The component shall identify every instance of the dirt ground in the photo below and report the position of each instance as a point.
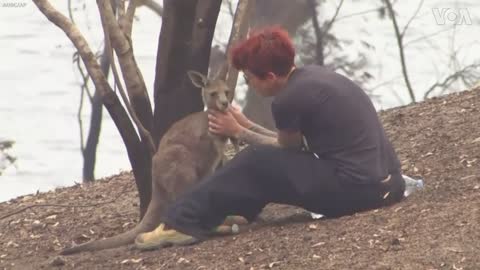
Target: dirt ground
(436, 228)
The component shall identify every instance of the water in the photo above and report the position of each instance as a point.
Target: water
(40, 96)
(40, 93)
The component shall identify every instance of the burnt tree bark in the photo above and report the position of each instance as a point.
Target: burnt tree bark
(90, 151)
(184, 43)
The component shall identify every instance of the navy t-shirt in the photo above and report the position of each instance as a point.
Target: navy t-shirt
(339, 123)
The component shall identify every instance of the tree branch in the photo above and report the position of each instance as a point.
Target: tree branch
(145, 133)
(329, 25)
(80, 122)
(133, 78)
(120, 8)
(126, 22)
(319, 59)
(110, 100)
(152, 5)
(357, 14)
(239, 31)
(411, 19)
(400, 48)
(460, 74)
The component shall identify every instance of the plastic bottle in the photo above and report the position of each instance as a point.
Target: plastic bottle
(412, 185)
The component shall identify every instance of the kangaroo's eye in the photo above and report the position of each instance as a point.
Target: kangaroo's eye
(227, 93)
(214, 94)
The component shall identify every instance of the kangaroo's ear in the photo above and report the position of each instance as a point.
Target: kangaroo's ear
(197, 78)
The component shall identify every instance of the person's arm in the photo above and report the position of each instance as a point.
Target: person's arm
(231, 125)
(284, 139)
(262, 130)
(248, 124)
(290, 140)
(249, 136)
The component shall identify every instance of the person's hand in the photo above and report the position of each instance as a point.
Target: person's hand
(239, 116)
(223, 123)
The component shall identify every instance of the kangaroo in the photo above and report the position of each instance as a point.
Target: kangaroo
(186, 154)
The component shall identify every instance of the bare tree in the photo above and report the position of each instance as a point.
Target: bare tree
(88, 148)
(185, 40)
(469, 75)
(400, 35)
(320, 32)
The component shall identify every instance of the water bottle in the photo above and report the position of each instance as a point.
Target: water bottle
(412, 185)
(315, 215)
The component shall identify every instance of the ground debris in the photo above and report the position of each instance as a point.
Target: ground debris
(440, 223)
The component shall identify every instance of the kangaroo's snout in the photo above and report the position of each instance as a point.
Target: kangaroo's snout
(224, 105)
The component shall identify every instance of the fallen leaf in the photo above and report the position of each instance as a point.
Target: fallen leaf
(33, 236)
(476, 140)
(318, 244)
(37, 224)
(11, 243)
(273, 264)
(183, 260)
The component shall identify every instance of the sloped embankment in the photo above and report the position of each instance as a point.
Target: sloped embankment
(438, 228)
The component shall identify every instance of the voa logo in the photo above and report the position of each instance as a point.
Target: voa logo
(459, 16)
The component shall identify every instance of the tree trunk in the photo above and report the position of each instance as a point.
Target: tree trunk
(137, 152)
(258, 109)
(319, 48)
(185, 41)
(90, 151)
(290, 15)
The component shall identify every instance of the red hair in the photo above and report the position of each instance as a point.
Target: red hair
(267, 50)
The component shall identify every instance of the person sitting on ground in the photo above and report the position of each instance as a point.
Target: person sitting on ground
(330, 155)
